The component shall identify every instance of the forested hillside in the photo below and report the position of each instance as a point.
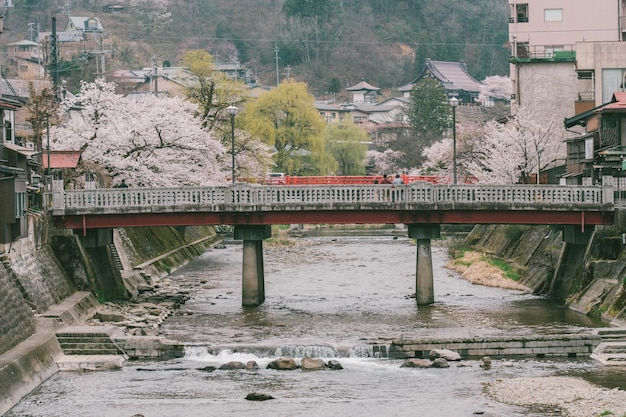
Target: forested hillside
(321, 42)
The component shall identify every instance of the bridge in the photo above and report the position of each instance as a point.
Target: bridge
(253, 208)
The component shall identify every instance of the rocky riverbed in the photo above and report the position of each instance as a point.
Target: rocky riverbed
(567, 396)
(563, 396)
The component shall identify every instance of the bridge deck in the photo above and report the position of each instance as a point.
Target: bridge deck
(279, 204)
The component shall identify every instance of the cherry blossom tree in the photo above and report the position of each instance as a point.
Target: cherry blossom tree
(383, 162)
(149, 142)
(509, 153)
(440, 155)
(496, 88)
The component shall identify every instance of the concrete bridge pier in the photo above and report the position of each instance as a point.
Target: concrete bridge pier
(253, 275)
(424, 288)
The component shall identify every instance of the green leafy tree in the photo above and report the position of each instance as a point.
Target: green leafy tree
(214, 91)
(429, 115)
(429, 111)
(287, 120)
(334, 86)
(347, 144)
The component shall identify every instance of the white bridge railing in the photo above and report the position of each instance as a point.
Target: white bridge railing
(273, 197)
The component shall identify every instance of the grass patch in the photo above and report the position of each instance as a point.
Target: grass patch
(509, 272)
(457, 248)
(280, 236)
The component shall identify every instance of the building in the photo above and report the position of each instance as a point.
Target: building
(566, 60)
(453, 76)
(174, 81)
(546, 37)
(14, 180)
(363, 92)
(25, 57)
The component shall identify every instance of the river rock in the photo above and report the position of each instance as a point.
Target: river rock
(207, 369)
(334, 365)
(232, 365)
(448, 355)
(440, 363)
(416, 363)
(283, 364)
(485, 362)
(252, 366)
(258, 396)
(110, 316)
(310, 364)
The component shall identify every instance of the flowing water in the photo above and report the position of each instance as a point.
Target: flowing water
(325, 298)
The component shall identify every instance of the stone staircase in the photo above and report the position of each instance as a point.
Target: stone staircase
(89, 348)
(116, 257)
(612, 349)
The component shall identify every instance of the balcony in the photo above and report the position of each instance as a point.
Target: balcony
(545, 53)
(518, 19)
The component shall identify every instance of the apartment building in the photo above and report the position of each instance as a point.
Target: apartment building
(568, 57)
(550, 39)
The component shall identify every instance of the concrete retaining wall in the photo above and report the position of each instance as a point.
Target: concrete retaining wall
(520, 346)
(26, 367)
(141, 347)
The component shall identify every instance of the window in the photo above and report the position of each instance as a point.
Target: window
(612, 81)
(522, 13)
(550, 50)
(553, 15)
(20, 205)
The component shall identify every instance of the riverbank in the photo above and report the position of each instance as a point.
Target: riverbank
(572, 397)
(474, 267)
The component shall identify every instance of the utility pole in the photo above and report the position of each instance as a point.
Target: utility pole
(154, 75)
(287, 71)
(54, 57)
(276, 49)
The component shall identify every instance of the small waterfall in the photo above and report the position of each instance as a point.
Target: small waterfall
(294, 351)
(203, 353)
(368, 351)
(196, 352)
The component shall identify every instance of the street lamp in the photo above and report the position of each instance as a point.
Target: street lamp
(453, 103)
(539, 152)
(232, 111)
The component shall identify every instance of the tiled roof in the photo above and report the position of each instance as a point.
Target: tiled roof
(7, 106)
(363, 86)
(618, 103)
(61, 159)
(454, 73)
(20, 149)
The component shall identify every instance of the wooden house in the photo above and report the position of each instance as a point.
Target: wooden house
(600, 151)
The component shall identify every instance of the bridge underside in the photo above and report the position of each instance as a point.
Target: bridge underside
(97, 221)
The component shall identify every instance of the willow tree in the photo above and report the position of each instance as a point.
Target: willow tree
(286, 119)
(347, 144)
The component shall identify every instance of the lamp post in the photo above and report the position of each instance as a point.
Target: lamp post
(539, 152)
(232, 111)
(453, 103)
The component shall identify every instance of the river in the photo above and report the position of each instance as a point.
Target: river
(325, 297)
